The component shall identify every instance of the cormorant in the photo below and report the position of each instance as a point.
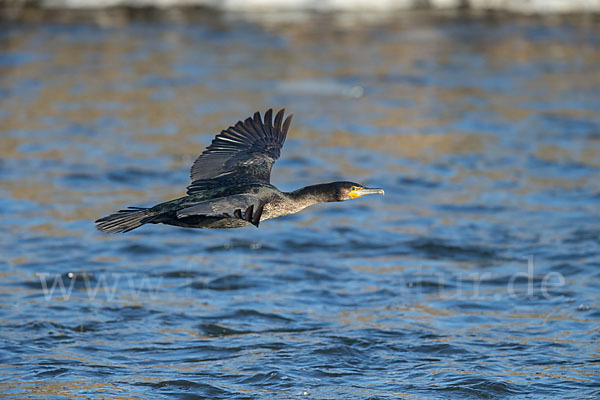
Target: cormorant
(231, 184)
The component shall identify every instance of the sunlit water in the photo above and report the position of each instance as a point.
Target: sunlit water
(477, 275)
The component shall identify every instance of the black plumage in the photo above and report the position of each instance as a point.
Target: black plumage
(231, 184)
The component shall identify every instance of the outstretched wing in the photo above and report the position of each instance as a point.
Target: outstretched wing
(248, 149)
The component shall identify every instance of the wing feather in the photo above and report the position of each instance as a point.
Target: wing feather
(269, 122)
(242, 206)
(249, 148)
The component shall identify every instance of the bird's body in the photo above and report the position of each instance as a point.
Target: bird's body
(276, 204)
(231, 184)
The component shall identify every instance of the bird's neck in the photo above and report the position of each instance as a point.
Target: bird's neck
(293, 202)
(314, 194)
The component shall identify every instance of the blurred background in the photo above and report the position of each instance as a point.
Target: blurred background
(477, 275)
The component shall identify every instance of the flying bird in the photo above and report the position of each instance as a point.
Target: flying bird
(231, 184)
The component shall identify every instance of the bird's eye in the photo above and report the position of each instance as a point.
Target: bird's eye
(353, 188)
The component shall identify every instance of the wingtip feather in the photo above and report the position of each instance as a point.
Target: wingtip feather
(286, 126)
(279, 118)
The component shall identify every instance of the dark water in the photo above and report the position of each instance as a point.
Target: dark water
(477, 275)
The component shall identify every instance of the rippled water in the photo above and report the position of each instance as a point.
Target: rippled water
(477, 275)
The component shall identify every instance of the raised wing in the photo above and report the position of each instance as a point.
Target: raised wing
(248, 149)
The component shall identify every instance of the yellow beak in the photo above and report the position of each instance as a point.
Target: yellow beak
(365, 191)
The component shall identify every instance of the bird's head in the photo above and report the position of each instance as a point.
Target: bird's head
(351, 190)
(334, 191)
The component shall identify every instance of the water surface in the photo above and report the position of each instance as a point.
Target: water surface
(475, 276)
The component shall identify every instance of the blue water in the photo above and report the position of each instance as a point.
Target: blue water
(477, 275)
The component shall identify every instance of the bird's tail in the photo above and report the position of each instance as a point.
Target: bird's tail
(124, 220)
